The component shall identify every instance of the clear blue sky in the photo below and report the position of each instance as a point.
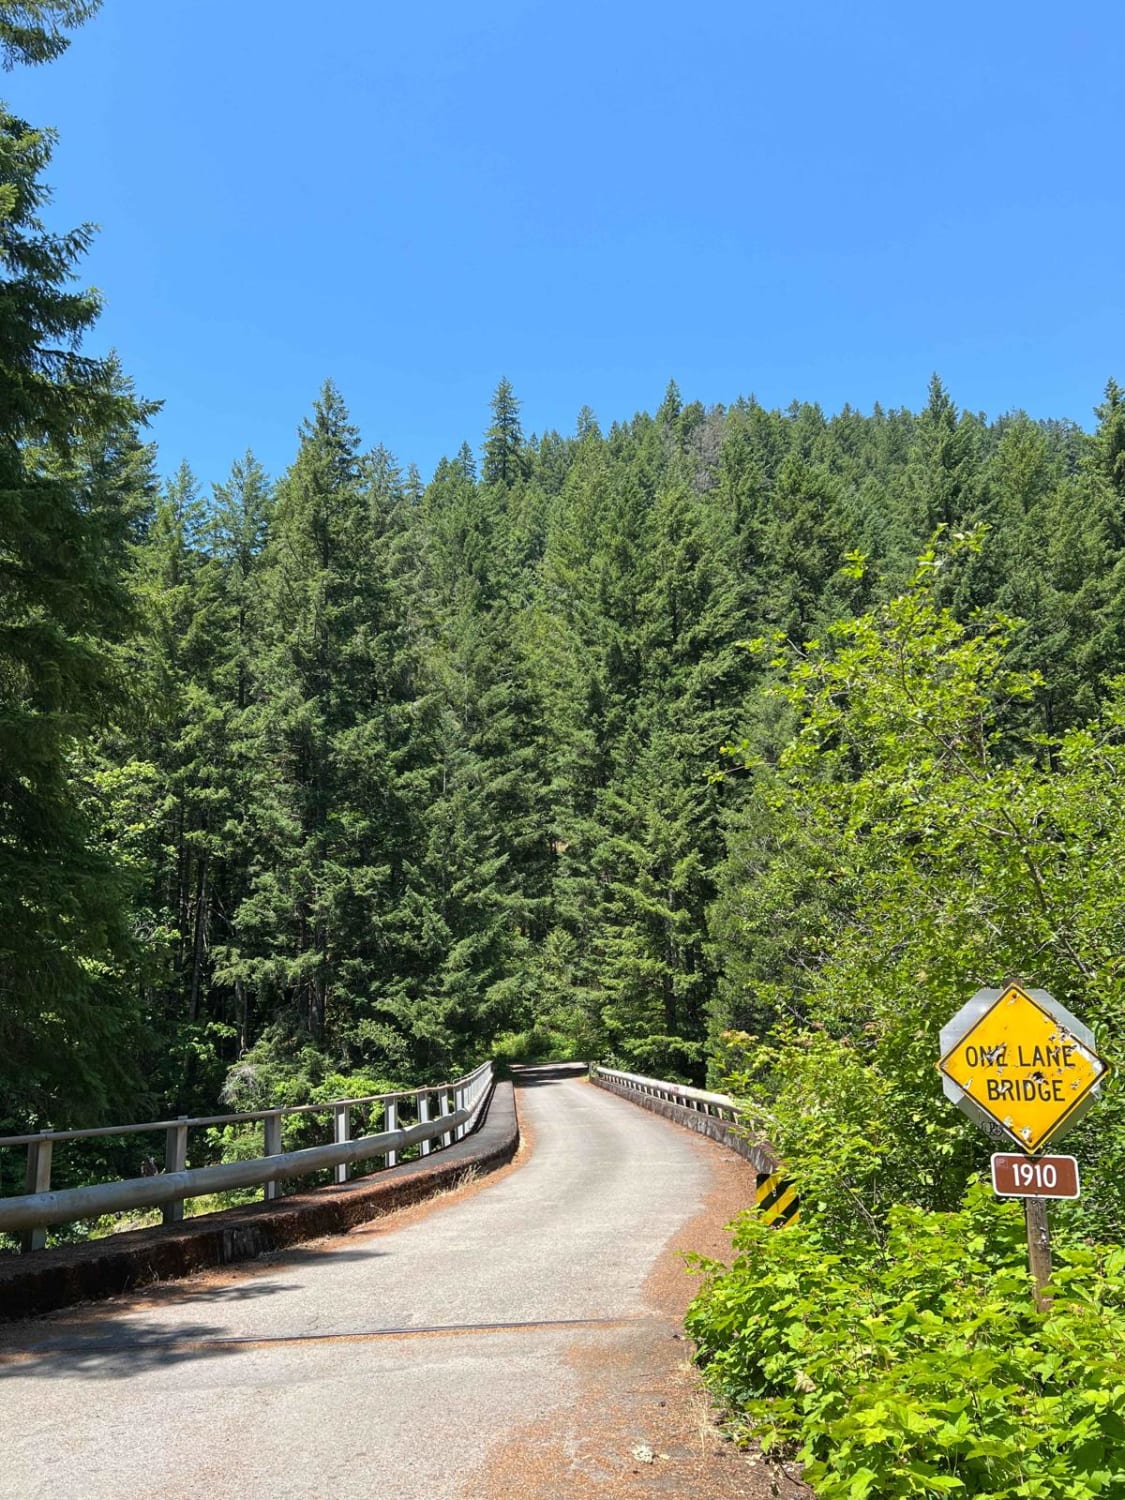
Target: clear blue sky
(810, 200)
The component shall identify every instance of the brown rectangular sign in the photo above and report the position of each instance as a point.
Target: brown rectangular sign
(1016, 1176)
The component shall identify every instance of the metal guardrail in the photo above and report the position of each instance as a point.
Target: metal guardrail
(458, 1107)
(714, 1115)
(721, 1106)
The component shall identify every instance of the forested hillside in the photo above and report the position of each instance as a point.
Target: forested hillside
(341, 772)
(369, 772)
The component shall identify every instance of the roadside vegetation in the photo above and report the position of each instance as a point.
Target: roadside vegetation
(921, 1369)
(933, 837)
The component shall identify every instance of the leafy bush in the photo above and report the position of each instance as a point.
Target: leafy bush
(829, 1115)
(916, 839)
(924, 1371)
(541, 1043)
(275, 1074)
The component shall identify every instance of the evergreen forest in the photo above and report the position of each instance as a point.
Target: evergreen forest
(721, 743)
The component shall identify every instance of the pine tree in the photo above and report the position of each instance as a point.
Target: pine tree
(504, 460)
(663, 814)
(668, 413)
(237, 527)
(32, 31)
(63, 603)
(1086, 551)
(1109, 440)
(335, 940)
(195, 575)
(940, 476)
(495, 775)
(586, 424)
(803, 540)
(310, 610)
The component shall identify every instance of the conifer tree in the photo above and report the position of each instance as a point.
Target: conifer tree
(34, 31)
(315, 587)
(1085, 546)
(663, 815)
(334, 938)
(496, 755)
(804, 539)
(940, 476)
(63, 602)
(1109, 441)
(504, 460)
(195, 576)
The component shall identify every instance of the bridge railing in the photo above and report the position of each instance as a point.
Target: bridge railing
(720, 1106)
(442, 1113)
(714, 1115)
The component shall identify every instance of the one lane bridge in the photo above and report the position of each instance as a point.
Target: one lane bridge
(406, 1359)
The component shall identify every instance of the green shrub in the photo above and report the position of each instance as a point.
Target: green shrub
(539, 1044)
(274, 1075)
(917, 838)
(923, 1371)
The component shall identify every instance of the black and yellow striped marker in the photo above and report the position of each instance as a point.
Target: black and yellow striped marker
(777, 1200)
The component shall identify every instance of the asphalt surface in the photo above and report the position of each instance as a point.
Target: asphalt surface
(387, 1363)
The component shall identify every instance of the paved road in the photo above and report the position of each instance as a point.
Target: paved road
(302, 1378)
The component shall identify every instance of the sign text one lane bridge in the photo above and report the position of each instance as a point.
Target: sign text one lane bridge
(1020, 1065)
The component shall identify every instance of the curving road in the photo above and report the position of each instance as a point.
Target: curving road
(395, 1361)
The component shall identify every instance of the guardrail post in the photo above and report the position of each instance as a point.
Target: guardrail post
(175, 1160)
(437, 1108)
(272, 1133)
(38, 1180)
(342, 1134)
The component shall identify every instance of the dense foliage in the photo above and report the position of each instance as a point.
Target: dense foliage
(67, 513)
(926, 1372)
(930, 822)
(931, 837)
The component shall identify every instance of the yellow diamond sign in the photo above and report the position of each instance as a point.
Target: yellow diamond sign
(1024, 1062)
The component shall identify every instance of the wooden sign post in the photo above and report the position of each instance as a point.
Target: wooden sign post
(1025, 1070)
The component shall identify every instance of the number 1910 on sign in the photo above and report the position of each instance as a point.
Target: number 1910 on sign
(1016, 1176)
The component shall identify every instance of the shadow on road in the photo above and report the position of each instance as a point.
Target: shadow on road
(128, 1351)
(546, 1073)
(239, 1291)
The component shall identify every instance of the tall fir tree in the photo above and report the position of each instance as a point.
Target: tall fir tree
(504, 459)
(63, 603)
